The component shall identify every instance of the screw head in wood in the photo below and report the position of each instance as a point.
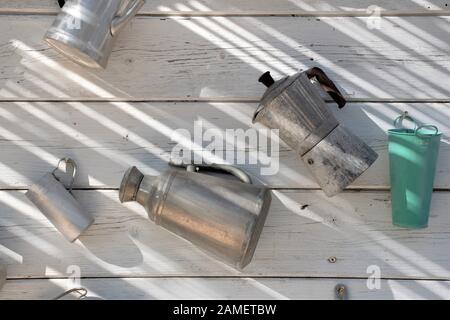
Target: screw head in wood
(332, 259)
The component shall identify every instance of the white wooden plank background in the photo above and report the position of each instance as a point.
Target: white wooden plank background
(213, 288)
(354, 227)
(214, 63)
(107, 138)
(408, 58)
(252, 6)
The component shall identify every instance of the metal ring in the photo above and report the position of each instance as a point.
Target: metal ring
(74, 172)
(399, 121)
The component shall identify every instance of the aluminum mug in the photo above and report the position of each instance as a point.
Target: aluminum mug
(57, 203)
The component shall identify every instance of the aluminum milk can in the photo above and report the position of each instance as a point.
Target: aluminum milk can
(59, 206)
(85, 30)
(223, 217)
(294, 105)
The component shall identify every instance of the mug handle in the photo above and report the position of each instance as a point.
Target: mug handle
(224, 168)
(67, 161)
(328, 85)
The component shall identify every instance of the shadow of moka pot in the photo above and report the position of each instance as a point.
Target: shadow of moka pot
(85, 30)
(294, 106)
(221, 216)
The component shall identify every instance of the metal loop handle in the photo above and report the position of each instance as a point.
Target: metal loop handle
(426, 126)
(398, 123)
(81, 291)
(74, 171)
(224, 168)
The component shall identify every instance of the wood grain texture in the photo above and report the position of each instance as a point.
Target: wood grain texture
(105, 139)
(303, 231)
(222, 58)
(251, 6)
(225, 289)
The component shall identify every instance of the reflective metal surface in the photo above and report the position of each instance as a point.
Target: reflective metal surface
(222, 216)
(59, 206)
(294, 105)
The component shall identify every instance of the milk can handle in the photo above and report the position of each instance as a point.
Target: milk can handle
(124, 17)
(74, 171)
(327, 85)
(224, 168)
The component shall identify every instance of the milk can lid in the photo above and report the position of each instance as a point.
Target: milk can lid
(130, 185)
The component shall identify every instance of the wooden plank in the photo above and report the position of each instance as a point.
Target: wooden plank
(107, 138)
(196, 58)
(306, 235)
(225, 289)
(252, 6)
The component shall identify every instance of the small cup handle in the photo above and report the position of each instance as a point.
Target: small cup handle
(398, 123)
(67, 161)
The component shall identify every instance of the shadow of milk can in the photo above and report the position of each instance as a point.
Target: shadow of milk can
(294, 105)
(413, 156)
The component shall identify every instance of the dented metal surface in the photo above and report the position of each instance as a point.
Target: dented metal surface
(294, 105)
(221, 216)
